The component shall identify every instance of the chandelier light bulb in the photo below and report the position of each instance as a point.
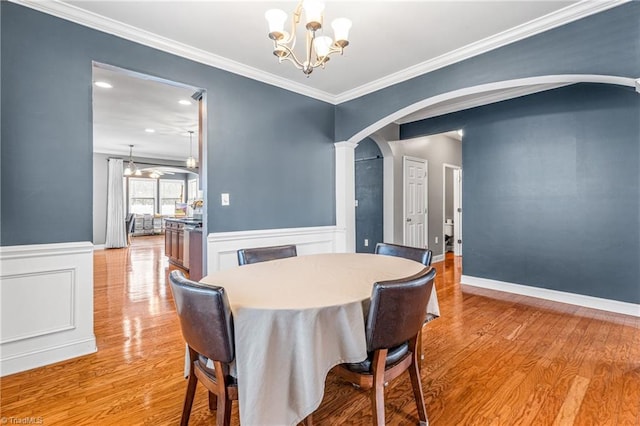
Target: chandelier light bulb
(127, 171)
(276, 19)
(138, 172)
(313, 12)
(341, 27)
(322, 45)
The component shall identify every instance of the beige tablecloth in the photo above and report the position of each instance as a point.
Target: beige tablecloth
(294, 320)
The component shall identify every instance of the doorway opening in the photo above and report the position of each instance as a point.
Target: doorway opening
(452, 209)
(155, 129)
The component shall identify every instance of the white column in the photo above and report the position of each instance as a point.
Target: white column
(346, 193)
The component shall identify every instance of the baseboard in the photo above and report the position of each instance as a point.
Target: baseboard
(438, 258)
(555, 295)
(98, 247)
(222, 246)
(46, 304)
(42, 357)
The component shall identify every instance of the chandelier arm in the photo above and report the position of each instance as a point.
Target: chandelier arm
(291, 56)
(290, 59)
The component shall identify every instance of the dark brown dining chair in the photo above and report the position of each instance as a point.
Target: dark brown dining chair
(394, 321)
(262, 254)
(207, 327)
(423, 256)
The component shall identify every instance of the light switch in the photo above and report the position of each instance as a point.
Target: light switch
(224, 198)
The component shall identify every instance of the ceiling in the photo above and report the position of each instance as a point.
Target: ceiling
(122, 114)
(390, 42)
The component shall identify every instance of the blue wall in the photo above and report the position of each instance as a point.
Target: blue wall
(369, 193)
(606, 43)
(551, 189)
(276, 178)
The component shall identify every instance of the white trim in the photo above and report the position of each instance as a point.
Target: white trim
(555, 19)
(41, 250)
(638, 85)
(561, 79)
(445, 166)
(554, 295)
(98, 247)
(41, 357)
(474, 101)
(53, 286)
(438, 258)
(346, 192)
(222, 247)
(552, 20)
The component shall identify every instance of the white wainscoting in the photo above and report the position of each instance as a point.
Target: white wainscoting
(46, 304)
(222, 246)
(555, 295)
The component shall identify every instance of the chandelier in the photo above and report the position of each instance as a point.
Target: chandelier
(317, 47)
(131, 167)
(191, 162)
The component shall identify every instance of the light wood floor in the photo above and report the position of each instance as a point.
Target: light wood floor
(492, 359)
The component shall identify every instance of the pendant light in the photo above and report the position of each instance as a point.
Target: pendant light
(131, 167)
(191, 162)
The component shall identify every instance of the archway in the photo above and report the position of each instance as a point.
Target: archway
(345, 168)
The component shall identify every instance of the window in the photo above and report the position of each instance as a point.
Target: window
(171, 192)
(142, 195)
(192, 193)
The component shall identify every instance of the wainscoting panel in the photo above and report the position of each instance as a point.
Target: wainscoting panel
(222, 246)
(46, 302)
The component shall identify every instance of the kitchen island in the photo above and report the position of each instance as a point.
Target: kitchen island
(178, 247)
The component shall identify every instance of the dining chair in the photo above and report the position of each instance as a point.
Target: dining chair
(393, 324)
(263, 254)
(423, 256)
(207, 327)
(129, 224)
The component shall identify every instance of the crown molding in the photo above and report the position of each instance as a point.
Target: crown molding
(92, 20)
(544, 23)
(110, 26)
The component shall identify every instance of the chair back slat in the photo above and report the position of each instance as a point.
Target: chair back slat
(205, 317)
(263, 254)
(423, 256)
(397, 309)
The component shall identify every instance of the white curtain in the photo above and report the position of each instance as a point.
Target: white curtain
(116, 233)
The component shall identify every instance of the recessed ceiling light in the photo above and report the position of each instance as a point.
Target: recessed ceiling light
(150, 130)
(184, 102)
(103, 84)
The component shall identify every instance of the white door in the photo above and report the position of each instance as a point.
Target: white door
(415, 201)
(457, 212)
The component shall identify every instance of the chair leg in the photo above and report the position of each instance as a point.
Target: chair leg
(419, 349)
(188, 399)
(377, 391)
(416, 384)
(213, 401)
(223, 416)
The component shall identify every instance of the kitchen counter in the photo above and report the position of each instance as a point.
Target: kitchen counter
(190, 221)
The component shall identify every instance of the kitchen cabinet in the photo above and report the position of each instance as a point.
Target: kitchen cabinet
(174, 242)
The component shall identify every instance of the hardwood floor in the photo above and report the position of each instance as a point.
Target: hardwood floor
(491, 359)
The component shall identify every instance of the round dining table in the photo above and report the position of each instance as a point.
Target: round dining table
(295, 319)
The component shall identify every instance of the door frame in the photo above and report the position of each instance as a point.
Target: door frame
(457, 212)
(446, 166)
(405, 158)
